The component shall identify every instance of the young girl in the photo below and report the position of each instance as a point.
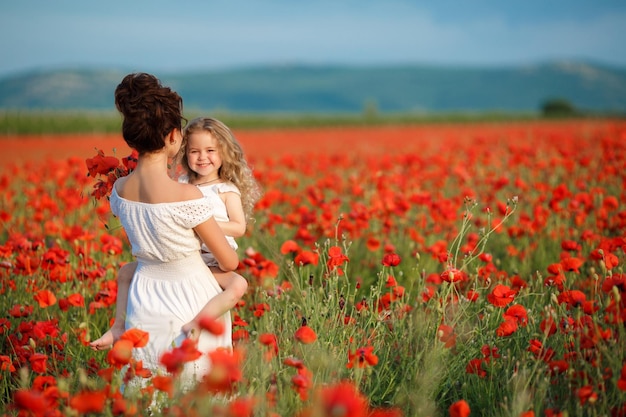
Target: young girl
(214, 162)
(165, 221)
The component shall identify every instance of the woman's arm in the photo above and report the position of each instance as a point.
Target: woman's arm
(215, 240)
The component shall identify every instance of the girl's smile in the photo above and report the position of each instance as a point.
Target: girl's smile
(204, 156)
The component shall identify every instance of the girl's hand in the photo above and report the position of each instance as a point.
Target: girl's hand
(191, 330)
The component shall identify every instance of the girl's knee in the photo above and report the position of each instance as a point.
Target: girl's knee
(239, 286)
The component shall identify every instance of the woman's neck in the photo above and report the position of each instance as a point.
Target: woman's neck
(154, 163)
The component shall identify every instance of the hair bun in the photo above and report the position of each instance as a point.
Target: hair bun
(133, 90)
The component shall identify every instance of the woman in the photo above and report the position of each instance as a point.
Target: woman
(164, 221)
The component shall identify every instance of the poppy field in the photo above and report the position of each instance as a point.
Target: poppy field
(430, 270)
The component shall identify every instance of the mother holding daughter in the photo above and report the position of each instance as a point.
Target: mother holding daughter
(166, 221)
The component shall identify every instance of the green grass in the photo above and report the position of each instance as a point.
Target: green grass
(17, 122)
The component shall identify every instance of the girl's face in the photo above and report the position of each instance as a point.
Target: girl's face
(203, 155)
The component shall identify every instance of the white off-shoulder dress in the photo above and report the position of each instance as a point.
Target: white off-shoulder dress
(171, 283)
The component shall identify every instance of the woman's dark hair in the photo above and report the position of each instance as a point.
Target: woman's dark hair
(150, 111)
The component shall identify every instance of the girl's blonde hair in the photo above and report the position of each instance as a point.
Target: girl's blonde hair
(234, 167)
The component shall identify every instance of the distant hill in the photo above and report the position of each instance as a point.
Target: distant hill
(300, 88)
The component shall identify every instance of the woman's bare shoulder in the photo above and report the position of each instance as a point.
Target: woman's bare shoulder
(188, 192)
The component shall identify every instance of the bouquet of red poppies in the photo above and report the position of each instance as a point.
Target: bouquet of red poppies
(107, 169)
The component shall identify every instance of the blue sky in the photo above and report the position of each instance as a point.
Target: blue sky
(163, 35)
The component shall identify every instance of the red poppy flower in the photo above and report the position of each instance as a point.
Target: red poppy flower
(32, 402)
(572, 264)
(89, 402)
(212, 325)
(336, 258)
(6, 364)
(610, 203)
(123, 407)
(111, 245)
(164, 383)
(570, 245)
(610, 260)
(555, 269)
(43, 382)
(342, 399)
(489, 352)
(507, 327)
(518, 313)
(517, 283)
(428, 293)
(45, 298)
(475, 366)
(472, 295)
(446, 335)
(293, 362)
(459, 409)
(121, 353)
(106, 374)
(362, 357)
(501, 295)
(391, 259)
(137, 337)
(307, 257)
(391, 282)
(260, 309)
(101, 164)
(240, 335)
(271, 341)
(372, 244)
(176, 358)
(586, 395)
(555, 281)
(536, 347)
(289, 246)
(558, 366)
(130, 161)
(573, 298)
(73, 300)
(225, 372)
(242, 407)
(621, 382)
(615, 280)
(136, 369)
(39, 362)
(305, 334)
(5, 325)
(301, 382)
(485, 257)
(453, 275)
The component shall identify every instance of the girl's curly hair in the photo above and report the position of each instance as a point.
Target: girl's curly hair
(234, 169)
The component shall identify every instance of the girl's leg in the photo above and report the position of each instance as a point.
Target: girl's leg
(124, 277)
(234, 286)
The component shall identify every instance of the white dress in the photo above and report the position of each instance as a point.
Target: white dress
(212, 192)
(171, 283)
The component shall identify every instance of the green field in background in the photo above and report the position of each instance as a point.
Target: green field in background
(43, 122)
